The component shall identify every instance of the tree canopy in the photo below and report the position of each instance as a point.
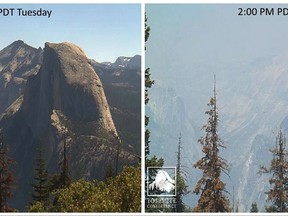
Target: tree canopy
(210, 185)
(278, 194)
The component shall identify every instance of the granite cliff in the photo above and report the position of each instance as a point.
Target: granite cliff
(63, 100)
(122, 79)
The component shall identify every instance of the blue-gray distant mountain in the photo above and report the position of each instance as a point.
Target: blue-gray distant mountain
(252, 103)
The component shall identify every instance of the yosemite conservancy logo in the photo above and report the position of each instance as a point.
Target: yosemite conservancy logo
(161, 189)
(161, 181)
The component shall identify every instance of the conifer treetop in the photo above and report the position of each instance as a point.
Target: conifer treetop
(210, 185)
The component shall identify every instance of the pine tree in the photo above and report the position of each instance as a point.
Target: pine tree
(7, 178)
(64, 178)
(148, 84)
(181, 187)
(40, 185)
(254, 207)
(109, 172)
(154, 161)
(278, 194)
(212, 197)
(117, 155)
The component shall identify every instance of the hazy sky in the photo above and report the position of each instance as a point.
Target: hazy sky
(103, 31)
(212, 33)
(188, 44)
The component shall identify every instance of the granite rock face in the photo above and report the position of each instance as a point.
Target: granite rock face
(63, 100)
(124, 81)
(66, 82)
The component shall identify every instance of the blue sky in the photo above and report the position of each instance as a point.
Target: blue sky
(103, 31)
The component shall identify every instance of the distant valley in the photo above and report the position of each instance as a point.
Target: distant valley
(252, 103)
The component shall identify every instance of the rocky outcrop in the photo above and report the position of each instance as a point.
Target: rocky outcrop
(18, 61)
(66, 82)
